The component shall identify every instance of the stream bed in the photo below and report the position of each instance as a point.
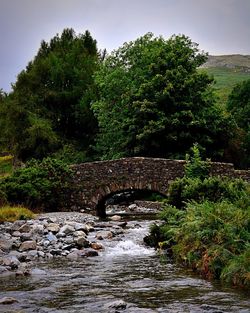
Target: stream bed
(125, 277)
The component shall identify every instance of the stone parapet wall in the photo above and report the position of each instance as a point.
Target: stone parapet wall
(94, 182)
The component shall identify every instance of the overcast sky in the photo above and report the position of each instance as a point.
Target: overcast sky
(218, 26)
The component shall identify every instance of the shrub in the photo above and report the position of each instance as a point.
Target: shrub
(212, 238)
(195, 167)
(39, 185)
(213, 189)
(3, 198)
(11, 214)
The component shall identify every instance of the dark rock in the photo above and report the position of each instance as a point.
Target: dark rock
(82, 242)
(55, 251)
(8, 300)
(25, 228)
(89, 253)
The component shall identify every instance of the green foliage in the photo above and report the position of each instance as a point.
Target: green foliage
(195, 167)
(214, 189)
(50, 102)
(69, 154)
(42, 185)
(211, 234)
(154, 102)
(212, 238)
(239, 106)
(11, 214)
(3, 198)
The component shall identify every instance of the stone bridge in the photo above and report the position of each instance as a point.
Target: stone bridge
(94, 182)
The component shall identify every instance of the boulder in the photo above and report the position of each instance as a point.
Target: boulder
(38, 229)
(66, 229)
(53, 227)
(96, 246)
(79, 233)
(8, 300)
(115, 218)
(82, 242)
(51, 238)
(28, 245)
(10, 261)
(118, 305)
(104, 234)
(26, 236)
(26, 228)
(5, 244)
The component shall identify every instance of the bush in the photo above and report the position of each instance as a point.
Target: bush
(195, 167)
(213, 189)
(3, 198)
(11, 214)
(42, 185)
(211, 234)
(212, 238)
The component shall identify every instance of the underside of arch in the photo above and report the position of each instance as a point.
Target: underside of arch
(100, 205)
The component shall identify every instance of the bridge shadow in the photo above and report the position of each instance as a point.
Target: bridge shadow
(125, 198)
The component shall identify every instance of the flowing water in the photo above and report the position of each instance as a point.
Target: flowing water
(126, 270)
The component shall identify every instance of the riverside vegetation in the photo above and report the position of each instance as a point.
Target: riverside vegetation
(206, 225)
(73, 103)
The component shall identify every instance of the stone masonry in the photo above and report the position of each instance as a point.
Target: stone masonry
(94, 182)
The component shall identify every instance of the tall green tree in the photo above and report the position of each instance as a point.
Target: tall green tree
(153, 102)
(239, 106)
(50, 102)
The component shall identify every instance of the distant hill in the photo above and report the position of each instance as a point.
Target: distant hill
(228, 71)
(233, 61)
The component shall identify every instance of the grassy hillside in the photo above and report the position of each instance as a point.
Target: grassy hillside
(228, 71)
(225, 80)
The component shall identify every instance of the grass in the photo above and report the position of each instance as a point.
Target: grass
(6, 166)
(11, 214)
(225, 80)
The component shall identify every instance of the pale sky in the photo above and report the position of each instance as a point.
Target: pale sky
(218, 26)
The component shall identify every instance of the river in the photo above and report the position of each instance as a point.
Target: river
(125, 277)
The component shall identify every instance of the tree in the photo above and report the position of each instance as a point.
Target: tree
(239, 106)
(50, 102)
(153, 102)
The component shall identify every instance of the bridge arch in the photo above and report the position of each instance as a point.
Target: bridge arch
(94, 182)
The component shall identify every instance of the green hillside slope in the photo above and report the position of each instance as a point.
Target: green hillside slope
(228, 71)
